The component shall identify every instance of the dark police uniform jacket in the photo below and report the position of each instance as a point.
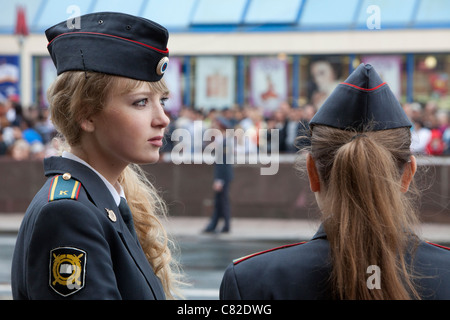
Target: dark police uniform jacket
(74, 244)
(301, 271)
(223, 170)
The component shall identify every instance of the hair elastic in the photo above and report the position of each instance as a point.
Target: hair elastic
(358, 135)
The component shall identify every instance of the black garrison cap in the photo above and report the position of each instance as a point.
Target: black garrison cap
(362, 99)
(112, 43)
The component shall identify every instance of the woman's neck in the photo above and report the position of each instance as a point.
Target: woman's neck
(108, 169)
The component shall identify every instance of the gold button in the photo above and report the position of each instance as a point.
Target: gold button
(67, 176)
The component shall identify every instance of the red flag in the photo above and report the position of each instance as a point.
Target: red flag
(21, 22)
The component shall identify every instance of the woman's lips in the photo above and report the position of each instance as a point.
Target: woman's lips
(156, 141)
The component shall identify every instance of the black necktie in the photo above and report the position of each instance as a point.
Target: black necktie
(127, 216)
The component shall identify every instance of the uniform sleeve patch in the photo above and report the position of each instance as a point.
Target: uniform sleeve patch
(67, 270)
(236, 261)
(63, 188)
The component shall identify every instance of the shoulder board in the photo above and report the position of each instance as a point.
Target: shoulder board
(63, 187)
(438, 245)
(236, 261)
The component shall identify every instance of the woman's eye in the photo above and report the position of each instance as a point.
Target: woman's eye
(141, 103)
(163, 101)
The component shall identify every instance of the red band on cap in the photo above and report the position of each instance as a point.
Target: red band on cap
(110, 35)
(364, 89)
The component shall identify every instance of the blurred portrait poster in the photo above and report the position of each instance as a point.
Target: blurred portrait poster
(9, 77)
(214, 82)
(324, 76)
(172, 76)
(269, 86)
(389, 69)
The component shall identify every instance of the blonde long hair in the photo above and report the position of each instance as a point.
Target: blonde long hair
(367, 218)
(74, 96)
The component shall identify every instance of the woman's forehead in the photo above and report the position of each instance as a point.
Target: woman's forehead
(127, 85)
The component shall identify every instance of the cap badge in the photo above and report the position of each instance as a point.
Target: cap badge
(162, 66)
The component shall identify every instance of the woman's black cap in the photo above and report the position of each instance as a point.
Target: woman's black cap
(361, 100)
(112, 43)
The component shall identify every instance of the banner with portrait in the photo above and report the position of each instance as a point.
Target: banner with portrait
(9, 77)
(325, 73)
(269, 83)
(47, 74)
(172, 77)
(215, 82)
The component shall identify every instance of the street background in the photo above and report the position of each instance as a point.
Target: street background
(262, 64)
(204, 257)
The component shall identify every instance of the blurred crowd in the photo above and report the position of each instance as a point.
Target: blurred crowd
(255, 127)
(431, 130)
(27, 133)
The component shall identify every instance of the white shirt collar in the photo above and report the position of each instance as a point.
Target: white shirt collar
(116, 195)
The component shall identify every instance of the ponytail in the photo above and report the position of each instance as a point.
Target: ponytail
(367, 218)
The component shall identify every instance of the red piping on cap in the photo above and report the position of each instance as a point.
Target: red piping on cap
(364, 89)
(110, 35)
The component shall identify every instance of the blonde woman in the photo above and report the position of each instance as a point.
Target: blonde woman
(360, 168)
(78, 239)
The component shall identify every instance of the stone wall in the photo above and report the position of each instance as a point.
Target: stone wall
(187, 188)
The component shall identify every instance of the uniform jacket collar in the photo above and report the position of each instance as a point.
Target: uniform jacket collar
(320, 234)
(91, 182)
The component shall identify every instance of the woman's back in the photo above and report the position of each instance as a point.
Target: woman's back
(360, 168)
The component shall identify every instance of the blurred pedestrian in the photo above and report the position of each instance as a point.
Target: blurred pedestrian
(223, 175)
(293, 127)
(20, 150)
(30, 134)
(436, 145)
(421, 137)
(93, 231)
(280, 124)
(360, 168)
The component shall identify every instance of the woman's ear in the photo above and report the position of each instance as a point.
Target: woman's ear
(313, 175)
(87, 125)
(408, 173)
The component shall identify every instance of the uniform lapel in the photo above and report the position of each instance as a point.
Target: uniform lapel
(141, 261)
(103, 200)
(135, 250)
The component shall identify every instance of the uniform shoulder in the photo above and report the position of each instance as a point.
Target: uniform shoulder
(247, 257)
(63, 187)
